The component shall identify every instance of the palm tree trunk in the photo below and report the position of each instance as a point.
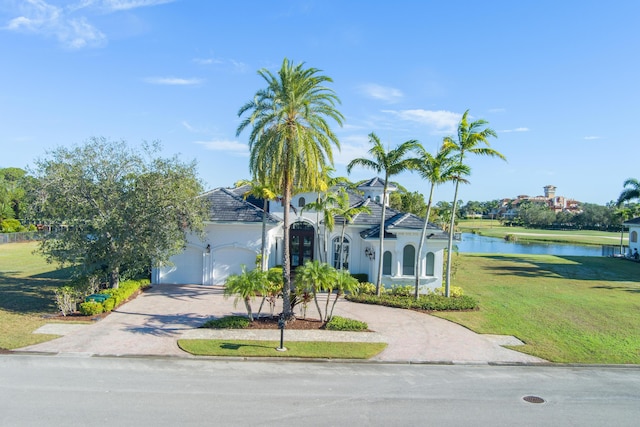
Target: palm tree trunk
(263, 261)
(247, 304)
(422, 239)
(447, 285)
(341, 259)
(286, 262)
(381, 245)
(315, 299)
(333, 306)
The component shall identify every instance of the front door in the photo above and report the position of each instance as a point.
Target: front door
(300, 243)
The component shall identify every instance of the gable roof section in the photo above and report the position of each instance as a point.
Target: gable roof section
(634, 221)
(227, 206)
(376, 183)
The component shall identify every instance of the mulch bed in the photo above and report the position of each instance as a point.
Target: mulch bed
(76, 316)
(4, 351)
(272, 323)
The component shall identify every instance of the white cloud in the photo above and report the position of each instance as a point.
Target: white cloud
(236, 65)
(173, 81)
(589, 138)
(383, 93)
(39, 17)
(521, 129)
(440, 121)
(230, 147)
(65, 24)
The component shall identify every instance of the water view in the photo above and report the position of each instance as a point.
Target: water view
(473, 243)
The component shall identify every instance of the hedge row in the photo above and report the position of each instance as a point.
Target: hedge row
(116, 297)
(431, 302)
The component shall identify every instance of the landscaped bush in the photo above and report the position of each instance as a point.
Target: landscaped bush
(402, 291)
(227, 322)
(125, 290)
(454, 291)
(109, 304)
(91, 308)
(366, 288)
(431, 302)
(338, 323)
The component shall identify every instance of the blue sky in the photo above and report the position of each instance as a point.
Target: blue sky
(556, 80)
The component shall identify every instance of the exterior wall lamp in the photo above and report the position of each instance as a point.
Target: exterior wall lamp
(370, 253)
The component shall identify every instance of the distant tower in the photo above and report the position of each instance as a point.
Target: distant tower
(549, 192)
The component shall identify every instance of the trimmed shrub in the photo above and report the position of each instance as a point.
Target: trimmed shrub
(402, 291)
(91, 308)
(338, 323)
(227, 322)
(431, 302)
(367, 288)
(454, 291)
(109, 304)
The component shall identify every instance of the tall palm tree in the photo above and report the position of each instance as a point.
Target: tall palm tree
(437, 169)
(290, 140)
(347, 213)
(265, 193)
(633, 192)
(472, 140)
(391, 162)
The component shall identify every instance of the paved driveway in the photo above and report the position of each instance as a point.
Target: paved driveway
(152, 323)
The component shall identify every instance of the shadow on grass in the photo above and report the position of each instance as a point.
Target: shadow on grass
(567, 267)
(620, 288)
(28, 295)
(236, 346)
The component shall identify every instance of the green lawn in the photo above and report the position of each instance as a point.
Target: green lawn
(304, 349)
(566, 309)
(26, 292)
(492, 228)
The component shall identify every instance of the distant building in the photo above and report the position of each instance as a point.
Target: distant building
(509, 207)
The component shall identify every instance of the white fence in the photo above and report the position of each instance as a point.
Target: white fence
(20, 237)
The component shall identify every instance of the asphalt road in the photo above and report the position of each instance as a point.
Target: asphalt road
(74, 390)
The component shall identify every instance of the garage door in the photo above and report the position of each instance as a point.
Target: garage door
(187, 268)
(227, 261)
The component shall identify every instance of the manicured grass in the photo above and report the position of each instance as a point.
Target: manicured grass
(566, 309)
(26, 292)
(304, 349)
(492, 228)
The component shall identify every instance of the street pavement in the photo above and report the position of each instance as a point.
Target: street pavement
(152, 323)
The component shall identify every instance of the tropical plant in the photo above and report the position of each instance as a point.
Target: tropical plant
(390, 162)
(345, 284)
(630, 193)
(272, 289)
(265, 193)
(290, 141)
(317, 276)
(437, 169)
(246, 286)
(472, 139)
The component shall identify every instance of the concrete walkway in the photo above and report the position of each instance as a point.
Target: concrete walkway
(152, 323)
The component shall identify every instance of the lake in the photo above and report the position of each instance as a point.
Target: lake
(473, 243)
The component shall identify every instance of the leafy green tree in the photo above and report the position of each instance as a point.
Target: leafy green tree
(630, 192)
(265, 193)
(291, 141)
(346, 213)
(246, 286)
(472, 139)
(117, 210)
(390, 162)
(438, 169)
(410, 202)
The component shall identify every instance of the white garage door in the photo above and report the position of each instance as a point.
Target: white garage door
(187, 268)
(227, 261)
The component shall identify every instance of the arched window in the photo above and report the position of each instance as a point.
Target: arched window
(386, 263)
(634, 237)
(430, 263)
(345, 253)
(409, 261)
(301, 202)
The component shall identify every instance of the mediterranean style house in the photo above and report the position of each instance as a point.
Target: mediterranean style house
(233, 237)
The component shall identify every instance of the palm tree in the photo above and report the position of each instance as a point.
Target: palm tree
(633, 192)
(345, 283)
(437, 169)
(316, 276)
(290, 141)
(246, 286)
(470, 138)
(265, 193)
(391, 162)
(343, 210)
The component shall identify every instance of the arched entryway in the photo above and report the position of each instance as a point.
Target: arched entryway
(301, 236)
